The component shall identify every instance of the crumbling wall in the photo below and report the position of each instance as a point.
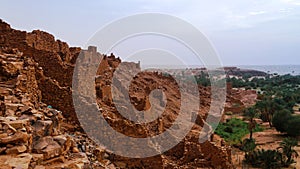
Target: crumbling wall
(30, 132)
(53, 56)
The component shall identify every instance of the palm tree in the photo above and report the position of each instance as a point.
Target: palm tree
(287, 147)
(268, 159)
(263, 108)
(267, 107)
(251, 113)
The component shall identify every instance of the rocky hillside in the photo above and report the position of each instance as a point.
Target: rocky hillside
(38, 124)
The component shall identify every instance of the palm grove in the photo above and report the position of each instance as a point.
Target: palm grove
(279, 98)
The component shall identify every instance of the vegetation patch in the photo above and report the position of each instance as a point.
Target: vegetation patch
(281, 157)
(234, 130)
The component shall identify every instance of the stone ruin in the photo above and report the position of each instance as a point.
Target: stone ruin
(38, 124)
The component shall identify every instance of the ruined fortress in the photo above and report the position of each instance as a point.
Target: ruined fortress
(38, 123)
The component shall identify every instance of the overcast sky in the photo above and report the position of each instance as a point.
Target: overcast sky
(256, 32)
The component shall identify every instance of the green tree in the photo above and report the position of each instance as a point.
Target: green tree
(251, 113)
(263, 107)
(281, 119)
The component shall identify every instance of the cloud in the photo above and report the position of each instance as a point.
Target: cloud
(219, 15)
(257, 13)
(291, 2)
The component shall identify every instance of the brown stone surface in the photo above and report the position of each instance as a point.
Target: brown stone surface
(17, 137)
(12, 161)
(16, 150)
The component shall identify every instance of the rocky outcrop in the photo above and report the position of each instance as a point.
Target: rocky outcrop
(235, 71)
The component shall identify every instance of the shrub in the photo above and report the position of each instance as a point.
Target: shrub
(267, 159)
(270, 159)
(281, 119)
(285, 122)
(248, 145)
(287, 148)
(283, 156)
(293, 126)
